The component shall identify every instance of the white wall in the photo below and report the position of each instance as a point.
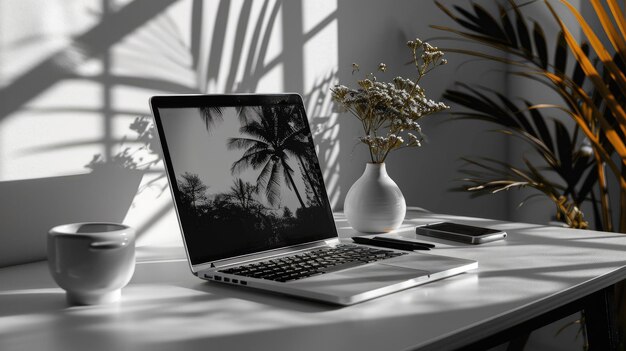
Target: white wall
(377, 31)
(74, 76)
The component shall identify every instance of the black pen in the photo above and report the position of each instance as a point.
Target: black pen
(400, 241)
(387, 244)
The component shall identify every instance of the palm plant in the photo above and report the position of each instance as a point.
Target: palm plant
(592, 91)
(272, 140)
(563, 153)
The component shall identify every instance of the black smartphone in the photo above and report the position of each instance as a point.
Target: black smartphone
(460, 232)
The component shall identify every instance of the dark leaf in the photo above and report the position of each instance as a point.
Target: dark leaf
(521, 119)
(468, 15)
(596, 96)
(479, 38)
(569, 97)
(446, 10)
(587, 187)
(469, 101)
(489, 25)
(479, 102)
(541, 127)
(564, 145)
(483, 165)
(471, 25)
(507, 26)
(538, 178)
(560, 55)
(541, 149)
(581, 164)
(617, 58)
(498, 111)
(596, 212)
(579, 75)
(522, 31)
(540, 45)
(475, 116)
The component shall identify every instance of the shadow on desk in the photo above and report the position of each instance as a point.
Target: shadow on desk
(32, 301)
(266, 298)
(167, 270)
(165, 307)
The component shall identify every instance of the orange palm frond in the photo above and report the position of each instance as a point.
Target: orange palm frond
(589, 68)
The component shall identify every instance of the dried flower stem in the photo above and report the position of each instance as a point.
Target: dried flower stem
(393, 107)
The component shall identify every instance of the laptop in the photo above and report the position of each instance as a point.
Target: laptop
(253, 209)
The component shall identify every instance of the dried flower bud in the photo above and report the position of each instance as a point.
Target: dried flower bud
(355, 67)
(392, 108)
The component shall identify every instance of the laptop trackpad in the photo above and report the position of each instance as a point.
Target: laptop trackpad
(379, 272)
(365, 278)
(427, 262)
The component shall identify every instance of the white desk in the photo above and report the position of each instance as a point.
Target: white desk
(536, 270)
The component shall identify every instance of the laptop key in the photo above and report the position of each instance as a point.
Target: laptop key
(312, 263)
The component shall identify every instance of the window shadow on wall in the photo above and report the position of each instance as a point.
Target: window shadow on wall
(145, 46)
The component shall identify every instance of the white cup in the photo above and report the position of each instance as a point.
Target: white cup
(92, 261)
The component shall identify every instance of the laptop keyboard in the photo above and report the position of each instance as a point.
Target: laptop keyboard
(312, 263)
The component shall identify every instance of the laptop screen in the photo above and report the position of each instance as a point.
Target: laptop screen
(244, 173)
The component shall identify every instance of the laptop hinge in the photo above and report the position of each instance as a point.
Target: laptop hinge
(265, 255)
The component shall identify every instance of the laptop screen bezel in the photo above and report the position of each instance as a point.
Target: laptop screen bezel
(226, 100)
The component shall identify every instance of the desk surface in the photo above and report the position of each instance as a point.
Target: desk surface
(165, 307)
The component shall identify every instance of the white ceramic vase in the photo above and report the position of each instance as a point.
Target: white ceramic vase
(374, 203)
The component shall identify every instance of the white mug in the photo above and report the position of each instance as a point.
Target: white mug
(91, 261)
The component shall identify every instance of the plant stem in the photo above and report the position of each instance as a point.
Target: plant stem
(583, 327)
(385, 155)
